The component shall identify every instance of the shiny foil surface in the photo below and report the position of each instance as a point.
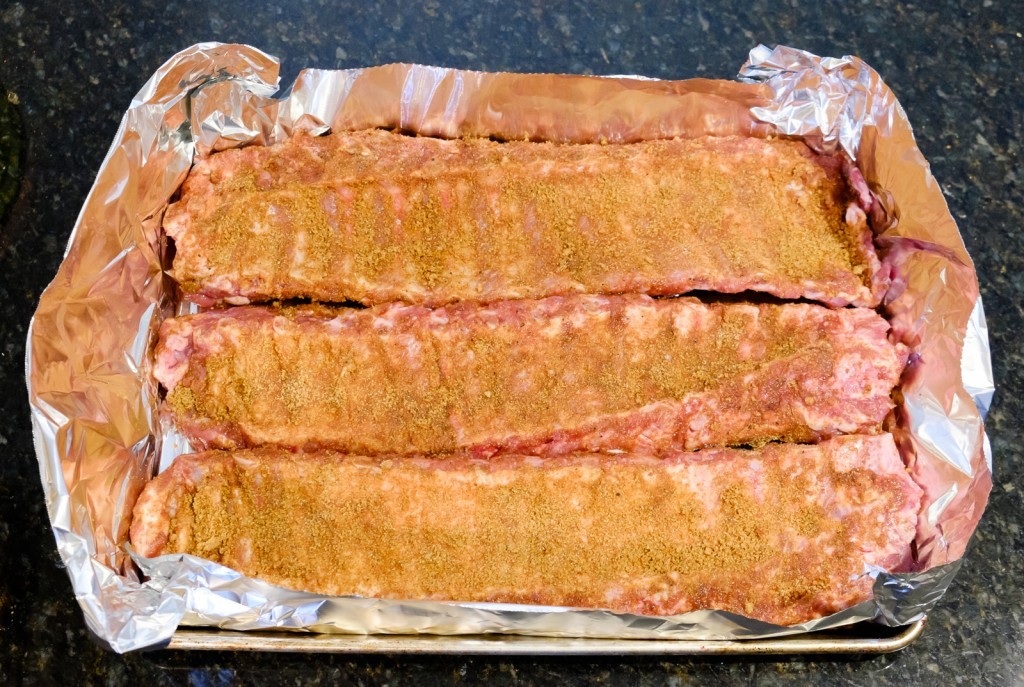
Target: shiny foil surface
(94, 403)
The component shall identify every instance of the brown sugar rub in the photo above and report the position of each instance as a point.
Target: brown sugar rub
(544, 377)
(376, 217)
(782, 534)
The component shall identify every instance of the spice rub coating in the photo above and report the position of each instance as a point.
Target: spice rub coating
(782, 534)
(376, 217)
(545, 377)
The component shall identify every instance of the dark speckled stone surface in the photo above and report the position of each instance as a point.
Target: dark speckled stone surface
(74, 66)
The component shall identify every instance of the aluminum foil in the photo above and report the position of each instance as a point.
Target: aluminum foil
(94, 403)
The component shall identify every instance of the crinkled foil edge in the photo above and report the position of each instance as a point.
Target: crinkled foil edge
(94, 417)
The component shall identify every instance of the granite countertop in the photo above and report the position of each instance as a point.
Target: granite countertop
(956, 68)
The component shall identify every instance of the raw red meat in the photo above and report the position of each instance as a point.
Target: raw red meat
(377, 217)
(546, 377)
(783, 534)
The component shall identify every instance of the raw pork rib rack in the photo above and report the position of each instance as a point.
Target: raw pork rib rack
(594, 373)
(528, 412)
(376, 217)
(781, 534)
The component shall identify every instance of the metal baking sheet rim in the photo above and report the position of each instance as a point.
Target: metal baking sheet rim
(519, 645)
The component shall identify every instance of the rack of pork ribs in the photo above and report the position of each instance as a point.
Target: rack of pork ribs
(644, 377)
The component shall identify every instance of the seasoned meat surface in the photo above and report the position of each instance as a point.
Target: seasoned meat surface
(543, 377)
(783, 534)
(376, 217)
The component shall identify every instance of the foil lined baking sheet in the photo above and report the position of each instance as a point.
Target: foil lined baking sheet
(94, 404)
